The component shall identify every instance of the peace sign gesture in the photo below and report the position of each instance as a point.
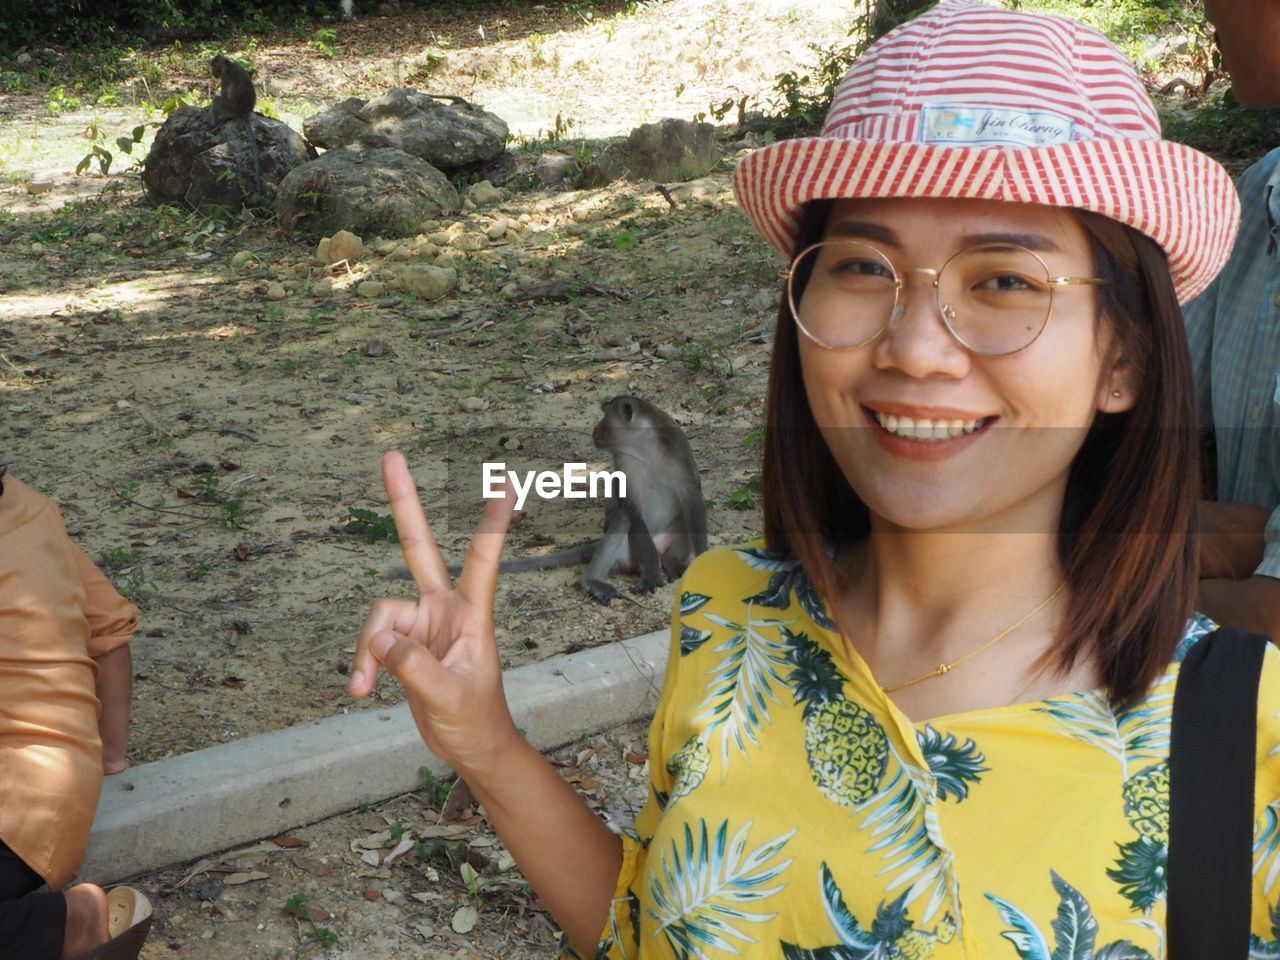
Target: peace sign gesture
(441, 647)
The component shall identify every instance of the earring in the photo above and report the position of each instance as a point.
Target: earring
(1117, 394)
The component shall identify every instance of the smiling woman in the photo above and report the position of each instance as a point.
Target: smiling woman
(930, 716)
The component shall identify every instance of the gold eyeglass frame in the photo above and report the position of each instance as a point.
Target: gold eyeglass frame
(946, 310)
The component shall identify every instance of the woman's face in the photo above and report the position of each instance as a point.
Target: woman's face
(1013, 424)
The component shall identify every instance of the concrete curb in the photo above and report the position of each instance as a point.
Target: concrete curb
(185, 807)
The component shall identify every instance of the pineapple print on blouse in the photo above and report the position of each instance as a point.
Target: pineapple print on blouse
(795, 812)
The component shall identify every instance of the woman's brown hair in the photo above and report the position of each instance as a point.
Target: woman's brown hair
(1126, 539)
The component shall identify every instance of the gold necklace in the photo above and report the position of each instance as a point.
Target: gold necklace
(943, 668)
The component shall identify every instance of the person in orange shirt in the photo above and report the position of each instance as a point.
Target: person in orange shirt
(65, 685)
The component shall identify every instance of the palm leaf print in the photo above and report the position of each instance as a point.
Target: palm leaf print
(842, 919)
(910, 837)
(787, 573)
(691, 639)
(743, 684)
(1136, 735)
(953, 765)
(1074, 927)
(1075, 930)
(703, 894)
(1025, 935)
(1266, 848)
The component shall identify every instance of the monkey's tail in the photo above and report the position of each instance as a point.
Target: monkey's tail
(559, 558)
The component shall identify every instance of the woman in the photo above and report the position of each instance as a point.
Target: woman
(931, 717)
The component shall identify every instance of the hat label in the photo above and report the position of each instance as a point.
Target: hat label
(959, 124)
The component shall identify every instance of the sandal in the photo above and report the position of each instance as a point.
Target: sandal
(128, 923)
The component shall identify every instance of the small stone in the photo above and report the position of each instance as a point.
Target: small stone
(552, 168)
(376, 348)
(345, 245)
(511, 443)
(496, 231)
(471, 242)
(577, 229)
(241, 258)
(474, 404)
(322, 251)
(383, 247)
(322, 287)
(446, 262)
(667, 351)
(441, 238)
(399, 252)
(484, 193)
(97, 239)
(371, 289)
(468, 204)
(276, 290)
(39, 186)
(580, 213)
(429, 282)
(509, 291)
(37, 248)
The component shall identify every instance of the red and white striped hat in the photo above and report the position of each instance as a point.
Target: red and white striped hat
(972, 101)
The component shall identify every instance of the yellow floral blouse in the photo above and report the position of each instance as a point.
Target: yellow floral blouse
(795, 812)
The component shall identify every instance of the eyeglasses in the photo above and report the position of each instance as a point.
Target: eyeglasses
(995, 298)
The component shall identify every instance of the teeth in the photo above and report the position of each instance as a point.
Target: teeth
(926, 429)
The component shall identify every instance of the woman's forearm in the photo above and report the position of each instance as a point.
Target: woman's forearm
(564, 850)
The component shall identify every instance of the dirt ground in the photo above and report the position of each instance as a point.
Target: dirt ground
(208, 443)
(410, 878)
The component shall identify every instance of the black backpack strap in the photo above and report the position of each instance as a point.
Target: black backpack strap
(1212, 759)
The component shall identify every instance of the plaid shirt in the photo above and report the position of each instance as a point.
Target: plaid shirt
(1234, 328)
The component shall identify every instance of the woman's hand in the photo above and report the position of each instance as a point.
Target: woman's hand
(441, 647)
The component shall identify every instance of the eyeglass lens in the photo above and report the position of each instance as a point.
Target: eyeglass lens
(994, 298)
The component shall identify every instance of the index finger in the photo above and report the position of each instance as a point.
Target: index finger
(417, 543)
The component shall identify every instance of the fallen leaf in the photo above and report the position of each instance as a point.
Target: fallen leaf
(465, 919)
(404, 846)
(311, 865)
(235, 879)
(372, 895)
(442, 831)
(370, 857)
(589, 783)
(375, 841)
(458, 802)
(291, 842)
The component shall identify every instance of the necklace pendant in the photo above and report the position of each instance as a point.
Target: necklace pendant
(942, 669)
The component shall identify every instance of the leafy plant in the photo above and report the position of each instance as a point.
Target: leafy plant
(371, 525)
(297, 906)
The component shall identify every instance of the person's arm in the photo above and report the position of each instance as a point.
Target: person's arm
(112, 622)
(115, 689)
(1233, 539)
(1252, 604)
(1240, 566)
(442, 648)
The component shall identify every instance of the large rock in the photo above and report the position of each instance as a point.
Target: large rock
(664, 152)
(368, 192)
(193, 163)
(448, 135)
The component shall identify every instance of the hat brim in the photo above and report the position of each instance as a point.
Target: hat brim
(1179, 197)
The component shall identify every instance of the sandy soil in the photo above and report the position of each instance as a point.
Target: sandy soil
(208, 443)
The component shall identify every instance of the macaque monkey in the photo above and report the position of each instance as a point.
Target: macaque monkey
(236, 101)
(659, 527)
